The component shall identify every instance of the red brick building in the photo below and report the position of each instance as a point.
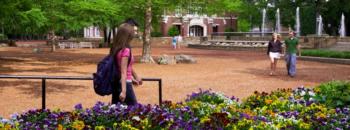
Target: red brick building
(197, 25)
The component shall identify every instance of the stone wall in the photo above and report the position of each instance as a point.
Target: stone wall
(155, 41)
(343, 39)
(305, 41)
(317, 42)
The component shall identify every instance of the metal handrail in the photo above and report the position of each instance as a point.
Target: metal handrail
(44, 78)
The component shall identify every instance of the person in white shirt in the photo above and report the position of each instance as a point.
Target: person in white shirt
(179, 41)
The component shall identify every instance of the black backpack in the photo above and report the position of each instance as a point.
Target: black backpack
(107, 75)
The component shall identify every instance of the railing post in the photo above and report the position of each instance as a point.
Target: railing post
(43, 94)
(160, 91)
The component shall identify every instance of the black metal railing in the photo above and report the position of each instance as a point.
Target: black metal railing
(44, 78)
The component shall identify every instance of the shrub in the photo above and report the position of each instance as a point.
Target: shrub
(3, 37)
(229, 30)
(156, 34)
(326, 53)
(243, 25)
(173, 31)
(334, 94)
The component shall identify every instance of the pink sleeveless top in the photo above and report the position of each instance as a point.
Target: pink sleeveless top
(125, 53)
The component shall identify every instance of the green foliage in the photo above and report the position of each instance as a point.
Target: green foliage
(3, 37)
(307, 20)
(326, 53)
(243, 25)
(229, 30)
(334, 94)
(156, 34)
(173, 31)
(33, 19)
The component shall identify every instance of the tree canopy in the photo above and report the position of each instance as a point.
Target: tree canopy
(42, 16)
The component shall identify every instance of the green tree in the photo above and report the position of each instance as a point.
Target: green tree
(102, 13)
(145, 11)
(173, 31)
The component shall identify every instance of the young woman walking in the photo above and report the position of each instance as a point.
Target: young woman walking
(123, 91)
(274, 51)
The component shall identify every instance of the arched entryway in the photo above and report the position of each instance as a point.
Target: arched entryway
(196, 31)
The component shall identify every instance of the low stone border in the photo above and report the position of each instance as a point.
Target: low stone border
(232, 48)
(326, 60)
(262, 49)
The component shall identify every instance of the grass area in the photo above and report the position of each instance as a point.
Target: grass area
(326, 53)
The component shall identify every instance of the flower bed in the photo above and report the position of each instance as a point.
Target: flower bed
(323, 107)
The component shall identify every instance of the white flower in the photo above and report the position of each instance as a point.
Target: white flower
(311, 93)
(5, 121)
(302, 93)
(14, 116)
(124, 106)
(137, 118)
(113, 106)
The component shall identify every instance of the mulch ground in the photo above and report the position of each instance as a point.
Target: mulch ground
(234, 73)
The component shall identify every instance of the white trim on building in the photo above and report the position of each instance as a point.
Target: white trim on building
(92, 32)
(198, 22)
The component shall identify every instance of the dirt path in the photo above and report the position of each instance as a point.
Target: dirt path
(237, 73)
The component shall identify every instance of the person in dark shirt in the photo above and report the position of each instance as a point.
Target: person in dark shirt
(274, 51)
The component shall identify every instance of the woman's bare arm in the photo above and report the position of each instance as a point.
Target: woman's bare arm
(123, 69)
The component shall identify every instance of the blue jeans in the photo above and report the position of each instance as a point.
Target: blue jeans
(291, 60)
(130, 98)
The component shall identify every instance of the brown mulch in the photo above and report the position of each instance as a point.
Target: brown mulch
(237, 73)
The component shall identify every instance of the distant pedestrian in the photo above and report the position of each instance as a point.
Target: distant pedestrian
(291, 49)
(179, 41)
(274, 51)
(174, 41)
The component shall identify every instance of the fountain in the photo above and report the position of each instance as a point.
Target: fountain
(263, 22)
(319, 26)
(278, 21)
(342, 26)
(297, 25)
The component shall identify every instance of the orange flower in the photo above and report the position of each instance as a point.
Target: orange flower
(268, 101)
(60, 127)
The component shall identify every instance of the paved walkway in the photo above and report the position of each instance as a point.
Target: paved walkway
(237, 73)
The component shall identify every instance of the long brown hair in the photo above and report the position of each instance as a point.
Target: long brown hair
(123, 38)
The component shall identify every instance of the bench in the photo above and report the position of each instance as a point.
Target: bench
(85, 44)
(71, 45)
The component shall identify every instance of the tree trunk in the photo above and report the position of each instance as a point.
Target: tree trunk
(231, 21)
(146, 51)
(52, 40)
(105, 36)
(113, 32)
(2, 29)
(109, 36)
